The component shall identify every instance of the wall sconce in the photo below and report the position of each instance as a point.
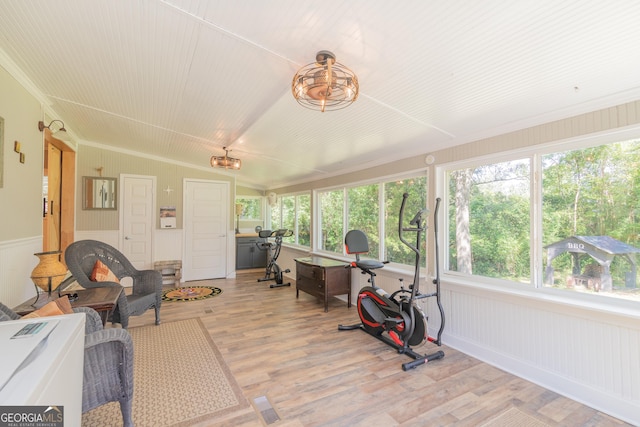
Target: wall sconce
(54, 126)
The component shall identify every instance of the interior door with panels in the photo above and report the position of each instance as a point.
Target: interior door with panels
(138, 219)
(206, 208)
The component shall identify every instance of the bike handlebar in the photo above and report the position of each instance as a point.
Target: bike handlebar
(417, 221)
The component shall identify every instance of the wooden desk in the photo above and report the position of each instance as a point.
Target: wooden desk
(103, 300)
(323, 278)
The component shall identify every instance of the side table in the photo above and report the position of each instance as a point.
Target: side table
(323, 278)
(174, 267)
(101, 299)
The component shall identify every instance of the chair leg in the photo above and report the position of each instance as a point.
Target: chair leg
(157, 314)
(124, 321)
(125, 407)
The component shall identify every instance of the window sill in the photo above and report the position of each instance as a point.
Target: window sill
(544, 297)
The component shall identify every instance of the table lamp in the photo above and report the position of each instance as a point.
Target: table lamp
(238, 213)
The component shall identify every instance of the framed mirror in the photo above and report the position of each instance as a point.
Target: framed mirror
(99, 192)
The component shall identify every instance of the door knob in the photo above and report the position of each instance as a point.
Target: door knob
(127, 238)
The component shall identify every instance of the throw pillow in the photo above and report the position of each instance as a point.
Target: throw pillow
(101, 273)
(53, 308)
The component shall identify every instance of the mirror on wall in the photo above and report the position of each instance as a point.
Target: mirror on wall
(99, 192)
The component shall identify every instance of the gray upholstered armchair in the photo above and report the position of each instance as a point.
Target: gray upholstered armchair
(108, 364)
(81, 257)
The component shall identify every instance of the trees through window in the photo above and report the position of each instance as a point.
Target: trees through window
(585, 209)
(294, 213)
(373, 208)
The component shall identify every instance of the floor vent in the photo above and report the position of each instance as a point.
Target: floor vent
(263, 406)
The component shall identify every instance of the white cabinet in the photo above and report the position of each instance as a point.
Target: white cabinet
(51, 374)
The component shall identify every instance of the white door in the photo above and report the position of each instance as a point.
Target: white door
(206, 206)
(137, 219)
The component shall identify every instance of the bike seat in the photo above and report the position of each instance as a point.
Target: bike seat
(368, 264)
(356, 242)
(264, 234)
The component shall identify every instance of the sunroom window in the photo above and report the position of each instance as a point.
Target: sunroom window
(576, 229)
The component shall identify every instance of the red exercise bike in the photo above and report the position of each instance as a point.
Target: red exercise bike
(396, 319)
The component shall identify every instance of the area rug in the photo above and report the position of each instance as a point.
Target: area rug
(191, 293)
(180, 379)
(514, 417)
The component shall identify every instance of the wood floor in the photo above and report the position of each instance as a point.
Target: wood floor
(291, 351)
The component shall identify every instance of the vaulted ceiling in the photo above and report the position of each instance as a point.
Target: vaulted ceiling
(180, 79)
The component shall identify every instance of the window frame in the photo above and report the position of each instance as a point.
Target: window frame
(262, 207)
(379, 181)
(296, 196)
(535, 288)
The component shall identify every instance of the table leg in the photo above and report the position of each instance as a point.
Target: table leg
(104, 314)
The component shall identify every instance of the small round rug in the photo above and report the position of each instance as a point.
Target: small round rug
(190, 293)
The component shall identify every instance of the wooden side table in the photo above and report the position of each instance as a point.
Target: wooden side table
(323, 278)
(174, 267)
(102, 299)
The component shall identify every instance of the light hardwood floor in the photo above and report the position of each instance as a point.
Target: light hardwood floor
(291, 351)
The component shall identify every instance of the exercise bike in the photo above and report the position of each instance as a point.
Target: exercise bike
(396, 319)
(273, 270)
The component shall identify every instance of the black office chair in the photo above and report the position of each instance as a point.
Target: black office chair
(356, 243)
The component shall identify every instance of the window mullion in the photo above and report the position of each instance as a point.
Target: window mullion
(536, 221)
(381, 230)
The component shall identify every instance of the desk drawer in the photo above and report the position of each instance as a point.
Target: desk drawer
(310, 286)
(310, 271)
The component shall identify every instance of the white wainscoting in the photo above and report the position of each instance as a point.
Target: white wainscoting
(167, 244)
(588, 354)
(16, 263)
(287, 260)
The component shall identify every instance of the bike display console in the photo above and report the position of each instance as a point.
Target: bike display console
(323, 278)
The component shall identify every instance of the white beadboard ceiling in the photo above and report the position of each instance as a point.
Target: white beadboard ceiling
(180, 79)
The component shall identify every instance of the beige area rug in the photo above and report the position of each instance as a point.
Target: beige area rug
(180, 378)
(514, 417)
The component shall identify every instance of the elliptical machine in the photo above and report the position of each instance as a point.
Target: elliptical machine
(273, 270)
(396, 319)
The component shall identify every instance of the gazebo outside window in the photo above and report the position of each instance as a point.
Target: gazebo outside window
(602, 249)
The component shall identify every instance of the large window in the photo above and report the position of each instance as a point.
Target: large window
(373, 208)
(577, 228)
(293, 212)
(331, 220)
(395, 250)
(489, 220)
(591, 219)
(251, 207)
(363, 206)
